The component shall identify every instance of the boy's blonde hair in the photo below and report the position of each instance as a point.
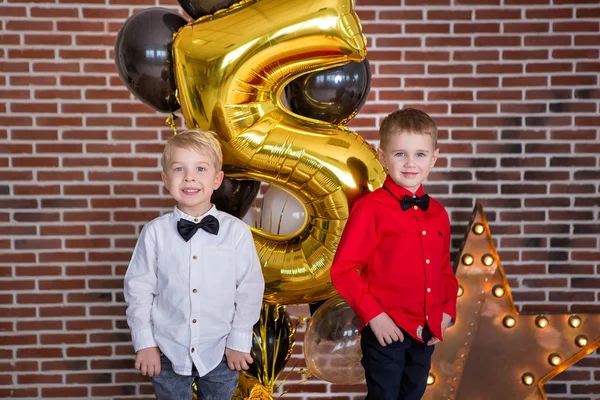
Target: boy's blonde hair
(197, 140)
(408, 120)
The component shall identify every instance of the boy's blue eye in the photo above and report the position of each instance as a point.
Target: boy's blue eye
(399, 154)
(178, 169)
(200, 169)
(421, 155)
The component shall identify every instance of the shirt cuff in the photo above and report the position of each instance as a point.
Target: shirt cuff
(240, 341)
(143, 339)
(369, 308)
(450, 309)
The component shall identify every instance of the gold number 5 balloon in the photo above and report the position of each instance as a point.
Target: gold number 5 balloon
(230, 71)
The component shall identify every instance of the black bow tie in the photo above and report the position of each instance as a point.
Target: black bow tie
(421, 202)
(187, 229)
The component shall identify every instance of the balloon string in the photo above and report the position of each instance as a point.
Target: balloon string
(272, 375)
(302, 371)
(263, 344)
(280, 338)
(170, 123)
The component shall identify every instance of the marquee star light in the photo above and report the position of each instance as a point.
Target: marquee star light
(492, 352)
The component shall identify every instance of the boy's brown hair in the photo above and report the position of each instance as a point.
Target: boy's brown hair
(197, 140)
(408, 120)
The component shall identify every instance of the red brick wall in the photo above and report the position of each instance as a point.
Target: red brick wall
(512, 84)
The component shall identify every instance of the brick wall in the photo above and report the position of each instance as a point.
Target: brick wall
(512, 84)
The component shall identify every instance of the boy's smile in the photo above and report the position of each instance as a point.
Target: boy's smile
(191, 178)
(408, 158)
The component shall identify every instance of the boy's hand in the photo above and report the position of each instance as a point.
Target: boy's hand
(446, 319)
(236, 360)
(385, 329)
(147, 361)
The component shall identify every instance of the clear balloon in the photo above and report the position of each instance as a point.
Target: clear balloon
(332, 343)
(333, 95)
(231, 68)
(143, 56)
(200, 8)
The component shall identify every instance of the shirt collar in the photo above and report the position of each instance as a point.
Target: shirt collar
(400, 191)
(178, 214)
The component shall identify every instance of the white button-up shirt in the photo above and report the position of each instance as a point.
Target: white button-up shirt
(192, 299)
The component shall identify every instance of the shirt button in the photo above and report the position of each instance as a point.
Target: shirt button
(194, 291)
(193, 349)
(195, 219)
(193, 321)
(424, 233)
(195, 257)
(428, 290)
(415, 207)
(427, 317)
(427, 261)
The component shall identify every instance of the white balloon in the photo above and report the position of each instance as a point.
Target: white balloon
(252, 216)
(281, 213)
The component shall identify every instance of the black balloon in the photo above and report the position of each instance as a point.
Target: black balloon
(144, 59)
(200, 8)
(313, 307)
(333, 95)
(235, 197)
(273, 340)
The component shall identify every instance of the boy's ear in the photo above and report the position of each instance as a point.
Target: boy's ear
(381, 156)
(218, 179)
(436, 154)
(163, 176)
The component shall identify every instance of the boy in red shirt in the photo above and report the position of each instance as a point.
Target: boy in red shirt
(392, 265)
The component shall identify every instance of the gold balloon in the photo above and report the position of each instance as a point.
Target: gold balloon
(250, 389)
(231, 69)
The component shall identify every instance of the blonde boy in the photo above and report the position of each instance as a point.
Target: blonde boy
(194, 285)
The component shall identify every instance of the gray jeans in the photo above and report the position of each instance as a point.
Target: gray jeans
(218, 384)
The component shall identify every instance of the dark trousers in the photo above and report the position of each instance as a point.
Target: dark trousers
(397, 371)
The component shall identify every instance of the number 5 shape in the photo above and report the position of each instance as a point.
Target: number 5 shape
(230, 71)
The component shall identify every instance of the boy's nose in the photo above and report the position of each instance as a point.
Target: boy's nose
(409, 161)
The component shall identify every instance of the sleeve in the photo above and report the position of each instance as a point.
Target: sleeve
(357, 244)
(140, 290)
(249, 294)
(449, 281)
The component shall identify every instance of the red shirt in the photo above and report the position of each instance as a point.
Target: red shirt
(397, 262)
